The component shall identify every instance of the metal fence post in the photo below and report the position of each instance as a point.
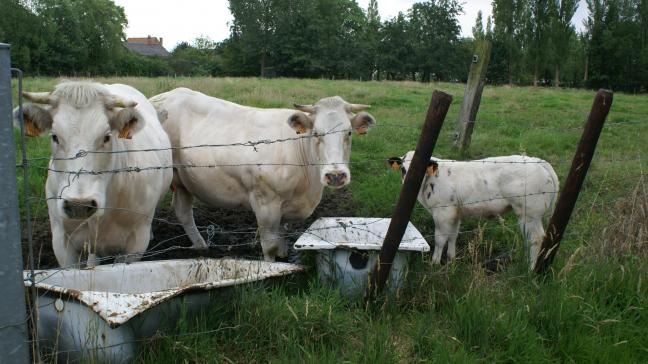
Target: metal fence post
(433, 123)
(569, 195)
(14, 346)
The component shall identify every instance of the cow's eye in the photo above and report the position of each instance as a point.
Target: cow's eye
(54, 138)
(106, 138)
(349, 133)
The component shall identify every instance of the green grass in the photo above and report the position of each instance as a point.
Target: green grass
(593, 308)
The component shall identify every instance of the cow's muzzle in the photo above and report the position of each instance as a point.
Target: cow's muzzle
(336, 179)
(79, 209)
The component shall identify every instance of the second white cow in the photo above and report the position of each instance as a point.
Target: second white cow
(482, 188)
(306, 150)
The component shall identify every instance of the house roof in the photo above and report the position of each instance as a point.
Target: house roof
(148, 49)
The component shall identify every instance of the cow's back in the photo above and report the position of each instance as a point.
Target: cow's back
(235, 150)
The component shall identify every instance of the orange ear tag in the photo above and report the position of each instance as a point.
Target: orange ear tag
(125, 133)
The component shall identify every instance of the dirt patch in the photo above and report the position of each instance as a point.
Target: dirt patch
(230, 233)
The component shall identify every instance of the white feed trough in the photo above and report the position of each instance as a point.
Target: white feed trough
(102, 314)
(347, 250)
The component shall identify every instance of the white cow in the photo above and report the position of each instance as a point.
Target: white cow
(106, 213)
(283, 179)
(488, 187)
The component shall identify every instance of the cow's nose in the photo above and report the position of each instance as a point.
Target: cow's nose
(336, 179)
(79, 209)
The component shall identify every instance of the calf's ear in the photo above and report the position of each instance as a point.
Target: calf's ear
(38, 120)
(395, 163)
(300, 122)
(127, 122)
(432, 168)
(361, 122)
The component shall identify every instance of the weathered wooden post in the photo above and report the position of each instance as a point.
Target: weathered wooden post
(433, 123)
(472, 95)
(14, 347)
(575, 179)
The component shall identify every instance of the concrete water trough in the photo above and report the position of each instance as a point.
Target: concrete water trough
(347, 250)
(103, 314)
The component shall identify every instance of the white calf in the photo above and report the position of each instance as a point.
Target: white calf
(488, 187)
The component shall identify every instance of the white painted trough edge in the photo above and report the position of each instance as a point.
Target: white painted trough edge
(117, 308)
(329, 233)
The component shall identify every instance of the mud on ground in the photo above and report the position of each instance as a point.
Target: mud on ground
(231, 233)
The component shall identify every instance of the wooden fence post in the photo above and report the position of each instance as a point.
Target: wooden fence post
(472, 95)
(433, 123)
(575, 179)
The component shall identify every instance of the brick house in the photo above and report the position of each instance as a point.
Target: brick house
(148, 46)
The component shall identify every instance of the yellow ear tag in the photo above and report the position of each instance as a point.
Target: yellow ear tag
(361, 131)
(395, 166)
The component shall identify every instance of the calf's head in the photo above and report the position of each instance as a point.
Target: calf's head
(402, 164)
(328, 125)
(80, 116)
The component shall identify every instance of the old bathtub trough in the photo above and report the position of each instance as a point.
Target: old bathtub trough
(103, 314)
(347, 250)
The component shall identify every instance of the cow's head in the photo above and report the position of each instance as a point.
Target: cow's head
(402, 164)
(80, 116)
(329, 125)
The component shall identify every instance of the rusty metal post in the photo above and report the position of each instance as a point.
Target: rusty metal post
(14, 347)
(433, 123)
(575, 179)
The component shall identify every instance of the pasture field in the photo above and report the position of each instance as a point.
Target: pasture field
(593, 307)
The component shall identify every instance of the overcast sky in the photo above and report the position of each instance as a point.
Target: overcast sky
(186, 20)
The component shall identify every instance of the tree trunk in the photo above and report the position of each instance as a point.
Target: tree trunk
(535, 76)
(586, 75)
(263, 64)
(557, 81)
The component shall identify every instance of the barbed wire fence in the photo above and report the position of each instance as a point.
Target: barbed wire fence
(174, 244)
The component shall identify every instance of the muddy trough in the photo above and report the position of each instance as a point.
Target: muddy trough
(103, 314)
(347, 250)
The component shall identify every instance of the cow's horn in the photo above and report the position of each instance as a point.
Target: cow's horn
(39, 97)
(116, 101)
(356, 108)
(305, 108)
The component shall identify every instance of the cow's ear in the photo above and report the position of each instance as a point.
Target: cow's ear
(362, 122)
(127, 122)
(300, 122)
(395, 163)
(432, 168)
(38, 120)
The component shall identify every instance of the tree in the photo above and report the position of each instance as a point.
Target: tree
(508, 18)
(561, 13)
(478, 29)
(537, 36)
(253, 29)
(434, 29)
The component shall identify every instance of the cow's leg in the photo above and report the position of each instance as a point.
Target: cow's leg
(268, 215)
(182, 205)
(534, 233)
(446, 225)
(452, 239)
(136, 245)
(66, 254)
